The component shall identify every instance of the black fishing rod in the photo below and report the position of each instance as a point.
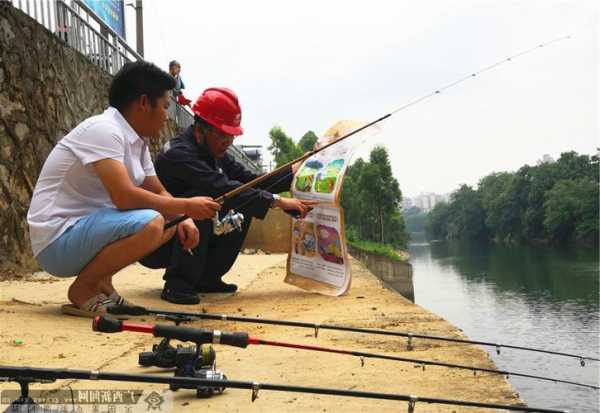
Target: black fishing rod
(189, 316)
(106, 324)
(26, 375)
(221, 199)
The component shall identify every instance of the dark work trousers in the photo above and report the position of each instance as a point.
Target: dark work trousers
(213, 257)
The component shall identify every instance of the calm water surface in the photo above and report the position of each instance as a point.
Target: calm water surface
(530, 296)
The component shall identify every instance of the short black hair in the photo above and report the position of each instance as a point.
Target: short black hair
(203, 125)
(136, 79)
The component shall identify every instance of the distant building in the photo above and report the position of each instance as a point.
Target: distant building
(424, 201)
(406, 204)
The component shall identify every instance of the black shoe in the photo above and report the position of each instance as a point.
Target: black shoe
(217, 287)
(179, 296)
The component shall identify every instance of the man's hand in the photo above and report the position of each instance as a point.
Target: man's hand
(201, 207)
(292, 204)
(188, 233)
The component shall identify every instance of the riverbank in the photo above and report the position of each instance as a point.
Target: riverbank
(30, 313)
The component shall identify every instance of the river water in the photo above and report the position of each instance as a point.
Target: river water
(528, 296)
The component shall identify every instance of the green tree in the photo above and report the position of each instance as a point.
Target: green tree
(307, 141)
(466, 218)
(371, 199)
(550, 202)
(501, 208)
(436, 226)
(283, 147)
(571, 210)
(382, 191)
(415, 220)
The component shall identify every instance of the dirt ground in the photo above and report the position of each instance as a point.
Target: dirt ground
(30, 315)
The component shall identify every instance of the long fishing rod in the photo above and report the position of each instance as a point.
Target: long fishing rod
(307, 155)
(106, 324)
(277, 171)
(26, 375)
(189, 316)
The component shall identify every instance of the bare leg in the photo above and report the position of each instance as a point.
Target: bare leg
(106, 286)
(97, 274)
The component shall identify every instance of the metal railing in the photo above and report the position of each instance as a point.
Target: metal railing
(75, 24)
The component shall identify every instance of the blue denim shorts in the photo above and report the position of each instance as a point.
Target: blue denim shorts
(80, 243)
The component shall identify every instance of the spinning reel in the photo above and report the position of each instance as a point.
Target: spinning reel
(196, 361)
(230, 222)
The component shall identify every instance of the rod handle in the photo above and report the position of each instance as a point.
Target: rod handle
(201, 336)
(126, 310)
(105, 324)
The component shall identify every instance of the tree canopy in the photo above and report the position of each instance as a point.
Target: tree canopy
(371, 195)
(284, 149)
(371, 199)
(551, 202)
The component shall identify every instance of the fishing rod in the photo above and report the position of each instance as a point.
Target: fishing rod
(106, 324)
(277, 171)
(26, 375)
(189, 316)
(307, 155)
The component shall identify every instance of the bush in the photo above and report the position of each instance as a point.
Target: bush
(376, 248)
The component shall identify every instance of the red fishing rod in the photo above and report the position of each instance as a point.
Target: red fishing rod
(190, 316)
(241, 339)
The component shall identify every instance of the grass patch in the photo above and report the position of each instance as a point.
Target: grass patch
(376, 248)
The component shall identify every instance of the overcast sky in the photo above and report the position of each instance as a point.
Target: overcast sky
(305, 65)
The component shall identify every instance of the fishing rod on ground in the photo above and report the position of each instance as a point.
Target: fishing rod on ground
(233, 220)
(190, 316)
(106, 324)
(27, 375)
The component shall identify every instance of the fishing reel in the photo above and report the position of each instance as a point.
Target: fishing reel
(166, 356)
(201, 365)
(230, 222)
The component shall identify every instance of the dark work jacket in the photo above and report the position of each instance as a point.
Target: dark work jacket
(188, 169)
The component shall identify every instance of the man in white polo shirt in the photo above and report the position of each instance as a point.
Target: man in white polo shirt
(98, 205)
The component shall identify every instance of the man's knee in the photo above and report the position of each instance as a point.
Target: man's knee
(154, 230)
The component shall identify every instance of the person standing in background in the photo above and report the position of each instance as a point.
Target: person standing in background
(177, 92)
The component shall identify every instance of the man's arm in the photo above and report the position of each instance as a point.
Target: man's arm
(186, 231)
(153, 184)
(125, 195)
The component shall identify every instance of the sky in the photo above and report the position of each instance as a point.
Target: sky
(305, 65)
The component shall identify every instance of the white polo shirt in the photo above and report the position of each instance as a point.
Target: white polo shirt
(68, 188)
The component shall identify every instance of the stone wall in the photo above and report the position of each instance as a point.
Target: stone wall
(46, 88)
(271, 234)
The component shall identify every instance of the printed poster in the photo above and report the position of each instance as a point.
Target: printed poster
(318, 258)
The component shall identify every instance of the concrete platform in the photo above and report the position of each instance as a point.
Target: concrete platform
(29, 311)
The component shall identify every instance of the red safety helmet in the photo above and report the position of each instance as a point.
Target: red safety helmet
(219, 106)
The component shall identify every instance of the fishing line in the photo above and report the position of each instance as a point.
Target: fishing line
(189, 316)
(199, 336)
(261, 178)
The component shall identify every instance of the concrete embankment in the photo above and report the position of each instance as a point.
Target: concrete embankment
(30, 312)
(398, 275)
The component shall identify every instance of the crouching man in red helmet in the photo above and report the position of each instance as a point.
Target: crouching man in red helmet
(197, 164)
(98, 205)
